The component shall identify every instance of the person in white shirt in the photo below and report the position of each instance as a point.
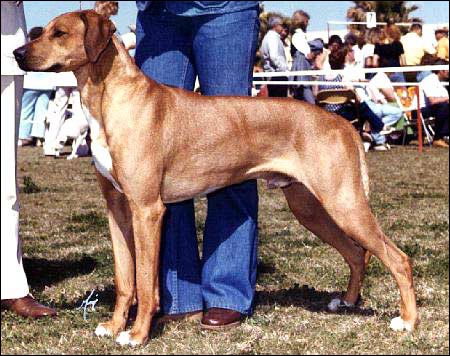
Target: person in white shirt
(274, 58)
(14, 286)
(302, 55)
(379, 97)
(383, 100)
(434, 103)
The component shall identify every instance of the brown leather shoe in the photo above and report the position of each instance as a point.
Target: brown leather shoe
(28, 307)
(190, 316)
(440, 143)
(221, 319)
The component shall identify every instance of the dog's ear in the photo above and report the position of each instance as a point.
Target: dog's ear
(98, 32)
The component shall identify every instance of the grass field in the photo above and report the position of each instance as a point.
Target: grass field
(67, 254)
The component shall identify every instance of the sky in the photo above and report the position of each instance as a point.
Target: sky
(39, 13)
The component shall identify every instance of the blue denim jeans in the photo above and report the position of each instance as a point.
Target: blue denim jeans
(219, 49)
(33, 114)
(388, 113)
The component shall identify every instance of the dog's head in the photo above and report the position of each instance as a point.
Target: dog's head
(67, 43)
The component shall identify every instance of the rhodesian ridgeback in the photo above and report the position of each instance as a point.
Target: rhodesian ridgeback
(153, 144)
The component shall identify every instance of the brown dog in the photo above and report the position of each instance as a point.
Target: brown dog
(154, 144)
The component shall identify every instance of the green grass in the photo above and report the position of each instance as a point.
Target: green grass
(67, 254)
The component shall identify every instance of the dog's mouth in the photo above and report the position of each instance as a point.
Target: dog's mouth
(29, 66)
(54, 68)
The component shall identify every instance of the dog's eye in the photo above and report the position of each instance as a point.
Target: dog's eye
(59, 33)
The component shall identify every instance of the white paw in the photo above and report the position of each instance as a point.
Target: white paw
(124, 339)
(102, 331)
(336, 303)
(398, 324)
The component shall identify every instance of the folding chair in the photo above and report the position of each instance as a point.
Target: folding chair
(408, 104)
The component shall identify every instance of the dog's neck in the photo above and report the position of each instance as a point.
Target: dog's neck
(106, 75)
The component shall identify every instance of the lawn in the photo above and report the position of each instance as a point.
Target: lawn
(67, 254)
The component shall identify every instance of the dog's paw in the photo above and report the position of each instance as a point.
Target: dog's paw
(124, 339)
(398, 324)
(71, 157)
(101, 331)
(337, 303)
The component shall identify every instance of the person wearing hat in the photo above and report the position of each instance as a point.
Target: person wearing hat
(442, 43)
(274, 57)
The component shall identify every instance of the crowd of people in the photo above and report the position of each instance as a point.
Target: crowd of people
(377, 101)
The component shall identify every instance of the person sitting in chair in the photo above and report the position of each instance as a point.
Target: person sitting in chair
(435, 103)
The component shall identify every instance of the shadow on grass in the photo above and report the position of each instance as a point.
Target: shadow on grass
(42, 272)
(308, 298)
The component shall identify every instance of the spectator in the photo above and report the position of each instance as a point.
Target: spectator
(373, 38)
(358, 50)
(379, 97)
(37, 91)
(441, 35)
(383, 99)
(427, 60)
(274, 58)
(435, 101)
(348, 111)
(176, 41)
(284, 35)
(414, 45)
(334, 44)
(14, 286)
(389, 52)
(337, 62)
(302, 55)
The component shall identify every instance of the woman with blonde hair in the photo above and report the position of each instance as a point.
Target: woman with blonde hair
(389, 52)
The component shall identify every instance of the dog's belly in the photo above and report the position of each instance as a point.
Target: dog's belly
(276, 173)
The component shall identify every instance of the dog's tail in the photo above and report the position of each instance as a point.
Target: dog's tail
(364, 169)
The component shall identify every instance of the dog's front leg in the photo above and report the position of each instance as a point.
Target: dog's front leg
(121, 229)
(147, 224)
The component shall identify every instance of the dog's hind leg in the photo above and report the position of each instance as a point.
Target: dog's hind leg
(311, 214)
(363, 228)
(121, 229)
(344, 201)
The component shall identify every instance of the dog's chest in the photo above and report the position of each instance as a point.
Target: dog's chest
(100, 151)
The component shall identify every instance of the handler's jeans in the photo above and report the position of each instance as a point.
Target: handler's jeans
(220, 50)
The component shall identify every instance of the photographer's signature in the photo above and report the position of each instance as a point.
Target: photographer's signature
(88, 303)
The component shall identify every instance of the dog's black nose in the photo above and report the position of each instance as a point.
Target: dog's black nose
(20, 53)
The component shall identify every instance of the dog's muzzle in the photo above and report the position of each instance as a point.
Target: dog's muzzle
(20, 55)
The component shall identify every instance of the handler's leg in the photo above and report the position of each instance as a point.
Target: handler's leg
(164, 53)
(14, 282)
(224, 49)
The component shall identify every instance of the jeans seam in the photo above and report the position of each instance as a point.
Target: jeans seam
(230, 307)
